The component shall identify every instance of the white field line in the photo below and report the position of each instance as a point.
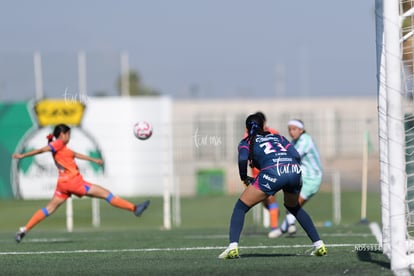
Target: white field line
(364, 235)
(224, 236)
(164, 249)
(374, 229)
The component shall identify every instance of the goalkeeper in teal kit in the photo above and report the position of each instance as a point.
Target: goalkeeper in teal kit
(279, 165)
(311, 172)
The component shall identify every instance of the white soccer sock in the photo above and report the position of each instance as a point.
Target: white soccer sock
(284, 225)
(317, 243)
(233, 245)
(290, 219)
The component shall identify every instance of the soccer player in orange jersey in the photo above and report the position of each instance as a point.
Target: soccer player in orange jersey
(270, 202)
(70, 181)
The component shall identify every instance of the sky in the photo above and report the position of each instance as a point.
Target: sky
(192, 48)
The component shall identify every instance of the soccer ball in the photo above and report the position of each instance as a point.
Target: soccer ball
(142, 130)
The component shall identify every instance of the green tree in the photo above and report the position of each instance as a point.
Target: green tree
(136, 86)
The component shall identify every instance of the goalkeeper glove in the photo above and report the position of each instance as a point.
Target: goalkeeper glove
(248, 180)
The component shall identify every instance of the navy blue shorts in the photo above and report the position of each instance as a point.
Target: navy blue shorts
(270, 181)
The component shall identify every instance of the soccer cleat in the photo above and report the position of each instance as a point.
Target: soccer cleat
(140, 208)
(20, 234)
(275, 233)
(291, 229)
(320, 251)
(232, 253)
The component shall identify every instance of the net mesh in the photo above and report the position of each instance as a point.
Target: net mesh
(407, 34)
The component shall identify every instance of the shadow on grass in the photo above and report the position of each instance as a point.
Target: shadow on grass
(261, 255)
(373, 257)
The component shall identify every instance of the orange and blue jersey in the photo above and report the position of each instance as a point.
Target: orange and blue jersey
(64, 159)
(70, 180)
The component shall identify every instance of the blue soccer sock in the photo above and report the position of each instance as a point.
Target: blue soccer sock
(305, 221)
(237, 220)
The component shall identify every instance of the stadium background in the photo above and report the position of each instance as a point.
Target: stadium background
(201, 137)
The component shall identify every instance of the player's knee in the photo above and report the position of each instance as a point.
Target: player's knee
(293, 210)
(241, 206)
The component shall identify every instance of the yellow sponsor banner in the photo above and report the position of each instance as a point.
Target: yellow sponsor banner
(53, 112)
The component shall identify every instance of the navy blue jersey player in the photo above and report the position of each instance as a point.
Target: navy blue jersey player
(279, 165)
(276, 157)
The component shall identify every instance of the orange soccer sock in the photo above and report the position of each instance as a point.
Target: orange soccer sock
(274, 215)
(120, 203)
(36, 218)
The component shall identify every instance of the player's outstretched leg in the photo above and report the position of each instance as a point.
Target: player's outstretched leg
(119, 202)
(140, 208)
(37, 217)
(20, 234)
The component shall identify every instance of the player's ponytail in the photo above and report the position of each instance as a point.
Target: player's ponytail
(251, 148)
(49, 138)
(254, 125)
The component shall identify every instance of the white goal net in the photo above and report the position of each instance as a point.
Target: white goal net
(395, 60)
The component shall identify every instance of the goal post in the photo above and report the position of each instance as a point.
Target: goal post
(395, 78)
(96, 215)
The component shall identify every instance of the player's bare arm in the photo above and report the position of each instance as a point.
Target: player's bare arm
(31, 153)
(88, 158)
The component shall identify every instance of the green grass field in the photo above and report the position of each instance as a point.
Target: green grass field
(126, 245)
